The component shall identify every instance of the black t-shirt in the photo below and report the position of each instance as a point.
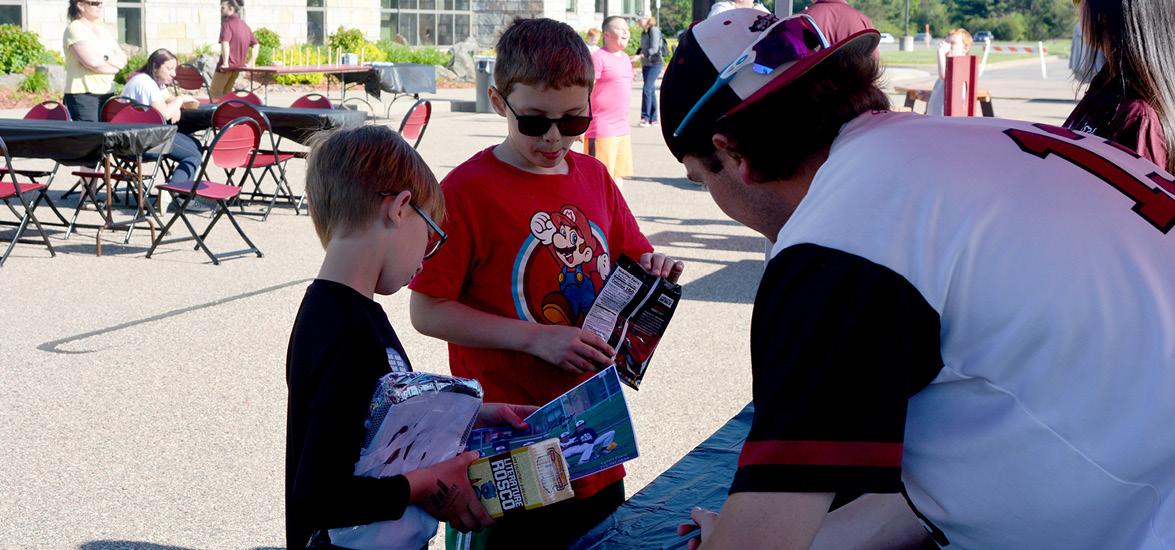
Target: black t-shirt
(341, 345)
(838, 345)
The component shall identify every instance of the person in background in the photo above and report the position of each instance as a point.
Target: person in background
(726, 5)
(149, 87)
(238, 48)
(92, 58)
(838, 20)
(957, 43)
(652, 52)
(608, 138)
(1131, 100)
(593, 39)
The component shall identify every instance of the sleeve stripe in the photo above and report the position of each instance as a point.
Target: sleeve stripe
(820, 453)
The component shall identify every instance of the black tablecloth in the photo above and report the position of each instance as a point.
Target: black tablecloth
(702, 478)
(80, 141)
(400, 78)
(295, 124)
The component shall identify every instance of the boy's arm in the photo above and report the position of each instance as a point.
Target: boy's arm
(760, 520)
(570, 348)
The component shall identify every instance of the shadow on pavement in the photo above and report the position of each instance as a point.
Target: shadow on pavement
(680, 183)
(127, 545)
(690, 222)
(707, 241)
(735, 283)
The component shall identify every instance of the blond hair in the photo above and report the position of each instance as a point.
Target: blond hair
(347, 171)
(967, 40)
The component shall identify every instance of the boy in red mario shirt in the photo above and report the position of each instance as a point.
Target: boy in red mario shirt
(533, 229)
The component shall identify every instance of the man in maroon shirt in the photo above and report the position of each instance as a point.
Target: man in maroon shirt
(838, 19)
(237, 44)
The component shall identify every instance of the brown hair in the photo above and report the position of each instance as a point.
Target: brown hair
(157, 59)
(347, 170)
(784, 130)
(542, 52)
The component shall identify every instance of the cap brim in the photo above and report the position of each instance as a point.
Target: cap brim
(860, 43)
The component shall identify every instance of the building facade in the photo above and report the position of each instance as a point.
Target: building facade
(185, 25)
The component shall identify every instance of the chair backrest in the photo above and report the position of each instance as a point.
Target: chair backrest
(241, 95)
(312, 101)
(416, 122)
(138, 114)
(113, 106)
(188, 77)
(233, 109)
(959, 86)
(48, 110)
(236, 143)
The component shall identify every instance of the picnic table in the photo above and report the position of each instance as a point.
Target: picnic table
(289, 123)
(915, 94)
(88, 143)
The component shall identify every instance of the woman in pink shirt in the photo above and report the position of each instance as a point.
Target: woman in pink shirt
(607, 138)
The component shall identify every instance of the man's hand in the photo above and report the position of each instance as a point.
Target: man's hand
(498, 414)
(662, 266)
(703, 523)
(445, 492)
(572, 349)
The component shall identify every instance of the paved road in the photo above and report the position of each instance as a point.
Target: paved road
(142, 402)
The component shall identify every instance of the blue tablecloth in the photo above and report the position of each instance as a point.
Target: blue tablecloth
(702, 478)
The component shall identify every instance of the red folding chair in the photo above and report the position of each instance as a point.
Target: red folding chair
(11, 189)
(416, 122)
(272, 161)
(47, 110)
(189, 79)
(242, 95)
(234, 146)
(312, 101)
(120, 110)
(959, 86)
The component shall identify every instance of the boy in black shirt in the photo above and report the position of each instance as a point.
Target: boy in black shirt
(373, 201)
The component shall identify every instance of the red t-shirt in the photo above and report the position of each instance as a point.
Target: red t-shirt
(532, 247)
(1126, 120)
(239, 37)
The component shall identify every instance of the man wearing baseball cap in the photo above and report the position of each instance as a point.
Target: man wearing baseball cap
(966, 330)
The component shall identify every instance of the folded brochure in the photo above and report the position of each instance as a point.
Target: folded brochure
(632, 312)
(591, 422)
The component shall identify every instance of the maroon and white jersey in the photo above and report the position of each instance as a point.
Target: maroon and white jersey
(981, 313)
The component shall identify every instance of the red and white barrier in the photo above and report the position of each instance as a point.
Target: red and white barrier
(1039, 49)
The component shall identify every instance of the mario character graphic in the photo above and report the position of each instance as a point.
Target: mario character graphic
(568, 236)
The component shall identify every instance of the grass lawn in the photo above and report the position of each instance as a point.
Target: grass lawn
(926, 56)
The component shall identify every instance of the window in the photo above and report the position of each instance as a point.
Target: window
(424, 22)
(570, 6)
(602, 6)
(130, 23)
(632, 7)
(315, 21)
(11, 13)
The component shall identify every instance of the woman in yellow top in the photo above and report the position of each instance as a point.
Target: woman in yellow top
(92, 58)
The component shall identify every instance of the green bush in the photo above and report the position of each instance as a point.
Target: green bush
(347, 40)
(35, 83)
(312, 79)
(201, 51)
(51, 57)
(18, 49)
(1013, 26)
(132, 64)
(399, 53)
(267, 42)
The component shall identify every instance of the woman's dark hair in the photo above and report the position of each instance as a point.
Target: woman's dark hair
(156, 60)
(1137, 38)
(780, 133)
(74, 10)
(234, 4)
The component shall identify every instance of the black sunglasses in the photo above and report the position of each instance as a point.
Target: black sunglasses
(537, 125)
(436, 237)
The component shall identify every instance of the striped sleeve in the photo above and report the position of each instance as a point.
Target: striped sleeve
(838, 345)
